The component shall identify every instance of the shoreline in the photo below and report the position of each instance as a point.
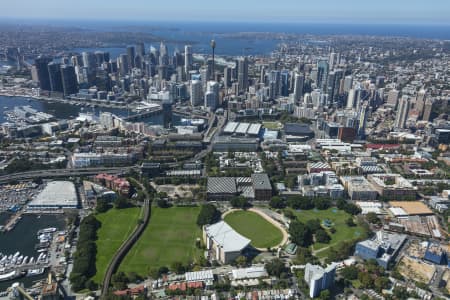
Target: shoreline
(97, 103)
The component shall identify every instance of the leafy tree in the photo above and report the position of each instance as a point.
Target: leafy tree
(322, 236)
(365, 279)
(276, 267)
(209, 214)
(239, 202)
(322, 203)
(119, 280)
(300, 234)
(163, 203)
(304, 256)
(121, 202)
(325, 295)
(277, 202)
(313, 225)
(289, 214)
(102, 205)
(372, 218)
(241, 261)
(381, 283)
(177, 267)
(350, 222)
(350, 273)
(352, 209)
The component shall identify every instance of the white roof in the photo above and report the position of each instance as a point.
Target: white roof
(398, 211)
(226, 237)
(56, 194)
(242, 128)
(252, 272)
(200, 276)
(254, 128)
(230, 127)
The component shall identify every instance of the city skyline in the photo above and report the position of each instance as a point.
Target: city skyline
(326, 11)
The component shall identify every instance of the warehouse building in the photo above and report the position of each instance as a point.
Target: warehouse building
(56, 195)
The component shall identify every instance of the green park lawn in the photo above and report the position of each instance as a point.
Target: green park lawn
(117, 225)
(169, 237)
(272, 125)
(338, 217)
(254, 227)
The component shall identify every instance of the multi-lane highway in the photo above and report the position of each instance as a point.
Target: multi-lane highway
(54, 173)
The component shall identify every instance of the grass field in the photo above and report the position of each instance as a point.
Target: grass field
(338, 217)
(169, 237)
(272, 125)
(117, 225)
(254, 227)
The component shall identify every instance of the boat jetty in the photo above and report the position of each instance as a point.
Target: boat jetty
(17, 265)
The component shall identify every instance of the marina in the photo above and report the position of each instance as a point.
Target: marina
(30, 264)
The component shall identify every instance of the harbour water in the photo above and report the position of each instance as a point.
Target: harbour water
(67, 111)
(23, 239)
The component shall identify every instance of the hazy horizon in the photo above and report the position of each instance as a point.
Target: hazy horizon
(289, 11)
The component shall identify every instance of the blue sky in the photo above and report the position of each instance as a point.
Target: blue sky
(340, 11)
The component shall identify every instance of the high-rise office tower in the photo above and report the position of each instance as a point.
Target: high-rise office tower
(392, 99)
(333, 60)
(77, 60)
(227, 77)
(333, 84)
(322, 73)
(41, 64)
(167, 113)
(209, 68)
(188, 58)
(106, 57)
(123, 65)
(89, 60)
(428, 109)
(348, 83)
(54, 71)
(164, 54)
(131, 55)
(274, 84)
(204, 75)
(363, 115)
(140, 49)
(284, 83)
(99, 57)
(420, 102)
(212, 95)
(299, 81)
(243, 74)
(351, 99)
(69, 80)
(196, 93)
(402, 112)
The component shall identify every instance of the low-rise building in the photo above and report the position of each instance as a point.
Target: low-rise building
(383, 247)
(392, 186)
(358, 188)
(224, 244)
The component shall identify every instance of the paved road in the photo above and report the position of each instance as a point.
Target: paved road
(128, 244)
(52, 173)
